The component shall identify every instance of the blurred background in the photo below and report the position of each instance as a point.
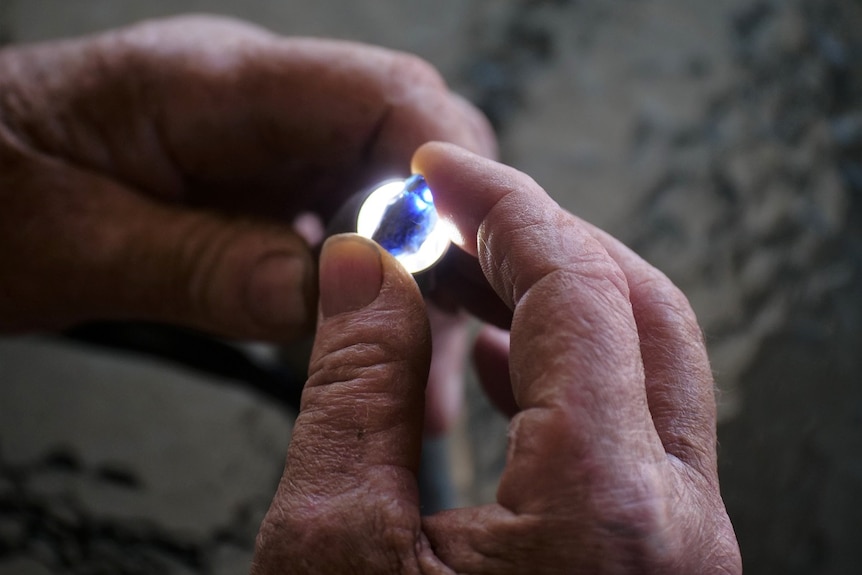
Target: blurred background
(721, 140)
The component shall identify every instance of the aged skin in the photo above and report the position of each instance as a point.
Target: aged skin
(612, 462)
(150, 172)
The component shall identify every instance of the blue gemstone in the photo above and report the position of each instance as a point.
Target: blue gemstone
(408, 219)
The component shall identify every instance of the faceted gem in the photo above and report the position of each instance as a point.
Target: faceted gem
(400, 216)
(408, 219)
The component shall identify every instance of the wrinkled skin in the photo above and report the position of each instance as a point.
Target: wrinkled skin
(611, 465)
(152, 173)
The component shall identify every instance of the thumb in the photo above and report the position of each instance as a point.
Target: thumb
(79, 247)
(235, 277)
(350, 473)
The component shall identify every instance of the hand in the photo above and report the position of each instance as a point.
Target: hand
(152, 173)
(612, 462)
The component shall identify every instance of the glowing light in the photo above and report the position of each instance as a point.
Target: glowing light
(401, 217)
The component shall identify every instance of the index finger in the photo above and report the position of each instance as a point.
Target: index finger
(575, 363)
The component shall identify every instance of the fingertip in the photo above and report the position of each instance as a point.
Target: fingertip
(453, 174)
(429, 154)
(355, 272)
(351, 274)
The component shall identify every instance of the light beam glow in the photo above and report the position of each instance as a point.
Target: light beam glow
(400, 216)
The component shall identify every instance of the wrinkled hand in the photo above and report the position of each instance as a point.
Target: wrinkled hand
(137, 168)
(611, 463)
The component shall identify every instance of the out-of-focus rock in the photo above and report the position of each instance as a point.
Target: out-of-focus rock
(153, 444)
(229, 560)
(128, 450)
(23, 566)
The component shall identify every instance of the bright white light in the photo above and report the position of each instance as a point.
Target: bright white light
(371, 213)
(452, 232)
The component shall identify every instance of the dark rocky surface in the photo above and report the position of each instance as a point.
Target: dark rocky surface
(722, 140)
(114, 463)
(791, 458)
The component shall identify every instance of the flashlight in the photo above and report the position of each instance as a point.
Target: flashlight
(401, 217)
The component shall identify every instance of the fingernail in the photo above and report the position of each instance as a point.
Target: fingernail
(351, 274)
(278, 290)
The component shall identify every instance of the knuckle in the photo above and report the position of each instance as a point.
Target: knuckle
(358, 361)
(524, 243)
(660, 290)
(204, 244)
(360, 378)
(641, 521)
(212, 21)
(410, 71)
(197, 260)
(215, 255)
(600, 270)
(583, 275)
(325, 536)
(389, 342)
(181, 25)
(667, 305)
(409, 74)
